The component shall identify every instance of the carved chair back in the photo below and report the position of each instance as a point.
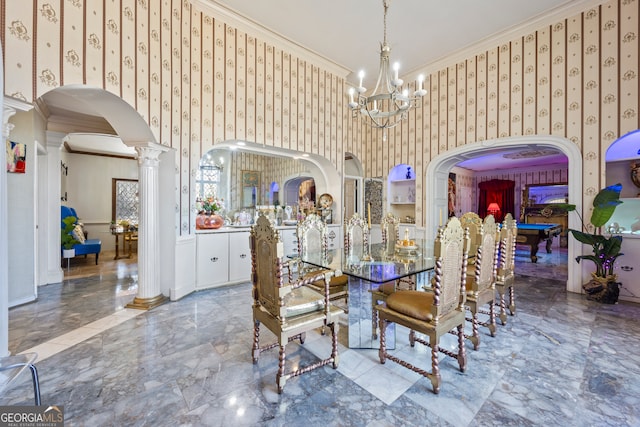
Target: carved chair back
(312, 235)
(356, 237)
(451, 251)
(267, 252)
(390, 227)
(508, 233)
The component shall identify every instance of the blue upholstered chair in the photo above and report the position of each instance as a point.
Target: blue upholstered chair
(86, 246)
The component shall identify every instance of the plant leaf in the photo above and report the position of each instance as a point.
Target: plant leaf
(605, 204)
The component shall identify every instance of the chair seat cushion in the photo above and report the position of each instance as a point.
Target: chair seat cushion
(303, 300)
(339, 281)
(90, 246)
(416, 304)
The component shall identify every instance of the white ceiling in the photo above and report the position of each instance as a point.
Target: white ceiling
(419, 32)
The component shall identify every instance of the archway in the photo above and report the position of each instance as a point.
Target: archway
(438, 173)
(108, 111)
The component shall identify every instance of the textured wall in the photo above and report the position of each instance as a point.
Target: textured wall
(195, 80)
(576, 79)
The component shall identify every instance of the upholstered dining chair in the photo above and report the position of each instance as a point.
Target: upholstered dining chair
(284, 304)
(481, 271)
(390, 227)
(356, 237)
(505, 276)
(435, 313)
(312, 238)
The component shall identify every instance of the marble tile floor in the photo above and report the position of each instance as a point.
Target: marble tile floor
(561, 360)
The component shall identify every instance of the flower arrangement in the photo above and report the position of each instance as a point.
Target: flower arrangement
(209, 204)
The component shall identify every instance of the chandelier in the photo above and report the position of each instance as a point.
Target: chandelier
(388, 104)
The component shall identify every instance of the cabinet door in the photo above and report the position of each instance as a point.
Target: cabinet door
(627, 268)
(289, 241)
(212, 263)
(239, 257)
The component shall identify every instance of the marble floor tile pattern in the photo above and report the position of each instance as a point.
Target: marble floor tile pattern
(561, 360)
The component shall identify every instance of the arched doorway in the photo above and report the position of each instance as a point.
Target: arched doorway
(437, 176)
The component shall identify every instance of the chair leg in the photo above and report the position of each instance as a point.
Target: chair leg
(475, 337)
(255, 351)
(462, 355)
(374, 319)
(334, 345)
(281, 379)
(412, 338)
(382, 352)
(434, 376)
(97, 258)
(36, 384)
(503, 310)
(512, 301)
(492, 319)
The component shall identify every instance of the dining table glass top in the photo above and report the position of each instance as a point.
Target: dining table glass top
(385, 264)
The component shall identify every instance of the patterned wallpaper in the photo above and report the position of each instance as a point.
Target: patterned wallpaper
(195, 80)
(198, 81)
(576, 79)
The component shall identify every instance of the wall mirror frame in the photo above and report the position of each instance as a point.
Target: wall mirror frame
(239, 194)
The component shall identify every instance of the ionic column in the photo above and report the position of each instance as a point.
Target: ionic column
(149, 295)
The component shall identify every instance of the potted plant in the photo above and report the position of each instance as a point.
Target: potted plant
(603, 285)
(67, 239)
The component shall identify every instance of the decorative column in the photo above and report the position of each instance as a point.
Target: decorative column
(4, 250)
(54, 142)
(149, 295)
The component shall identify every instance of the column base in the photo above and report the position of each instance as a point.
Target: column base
(147, 303)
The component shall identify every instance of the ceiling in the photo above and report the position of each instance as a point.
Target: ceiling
(348, 33)
(419, 32)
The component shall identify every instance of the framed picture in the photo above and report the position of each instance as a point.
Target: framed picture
(250, 188)
(16, 157)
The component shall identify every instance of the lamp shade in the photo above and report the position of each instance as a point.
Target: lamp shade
(493, 207)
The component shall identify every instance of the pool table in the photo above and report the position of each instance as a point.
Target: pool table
(533, 234)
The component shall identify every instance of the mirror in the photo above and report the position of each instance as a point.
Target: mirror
(545, 194)
(248, 181)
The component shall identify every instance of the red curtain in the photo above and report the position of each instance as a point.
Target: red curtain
(500, 191)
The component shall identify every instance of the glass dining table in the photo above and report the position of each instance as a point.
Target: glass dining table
(367, 273)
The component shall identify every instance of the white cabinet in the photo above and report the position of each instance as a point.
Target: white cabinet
(239, 257)
(222, 258)
(289, 240)
(627, 267)
(212, 262)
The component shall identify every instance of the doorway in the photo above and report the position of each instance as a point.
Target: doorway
(436, 184)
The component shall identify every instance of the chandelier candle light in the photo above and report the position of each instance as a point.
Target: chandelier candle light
(388, 104)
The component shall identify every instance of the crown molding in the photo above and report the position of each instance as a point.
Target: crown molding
(249, 26)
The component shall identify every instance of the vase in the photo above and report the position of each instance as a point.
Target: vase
(208, 221)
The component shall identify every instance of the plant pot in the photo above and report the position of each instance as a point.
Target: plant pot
(602, 289)
(68, 253)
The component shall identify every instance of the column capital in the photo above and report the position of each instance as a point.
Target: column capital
(147, 151)
(7, 127)
(55, 139)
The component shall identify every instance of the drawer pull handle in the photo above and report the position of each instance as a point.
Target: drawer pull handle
(626, 268)
(214, 259)
(243, 256)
